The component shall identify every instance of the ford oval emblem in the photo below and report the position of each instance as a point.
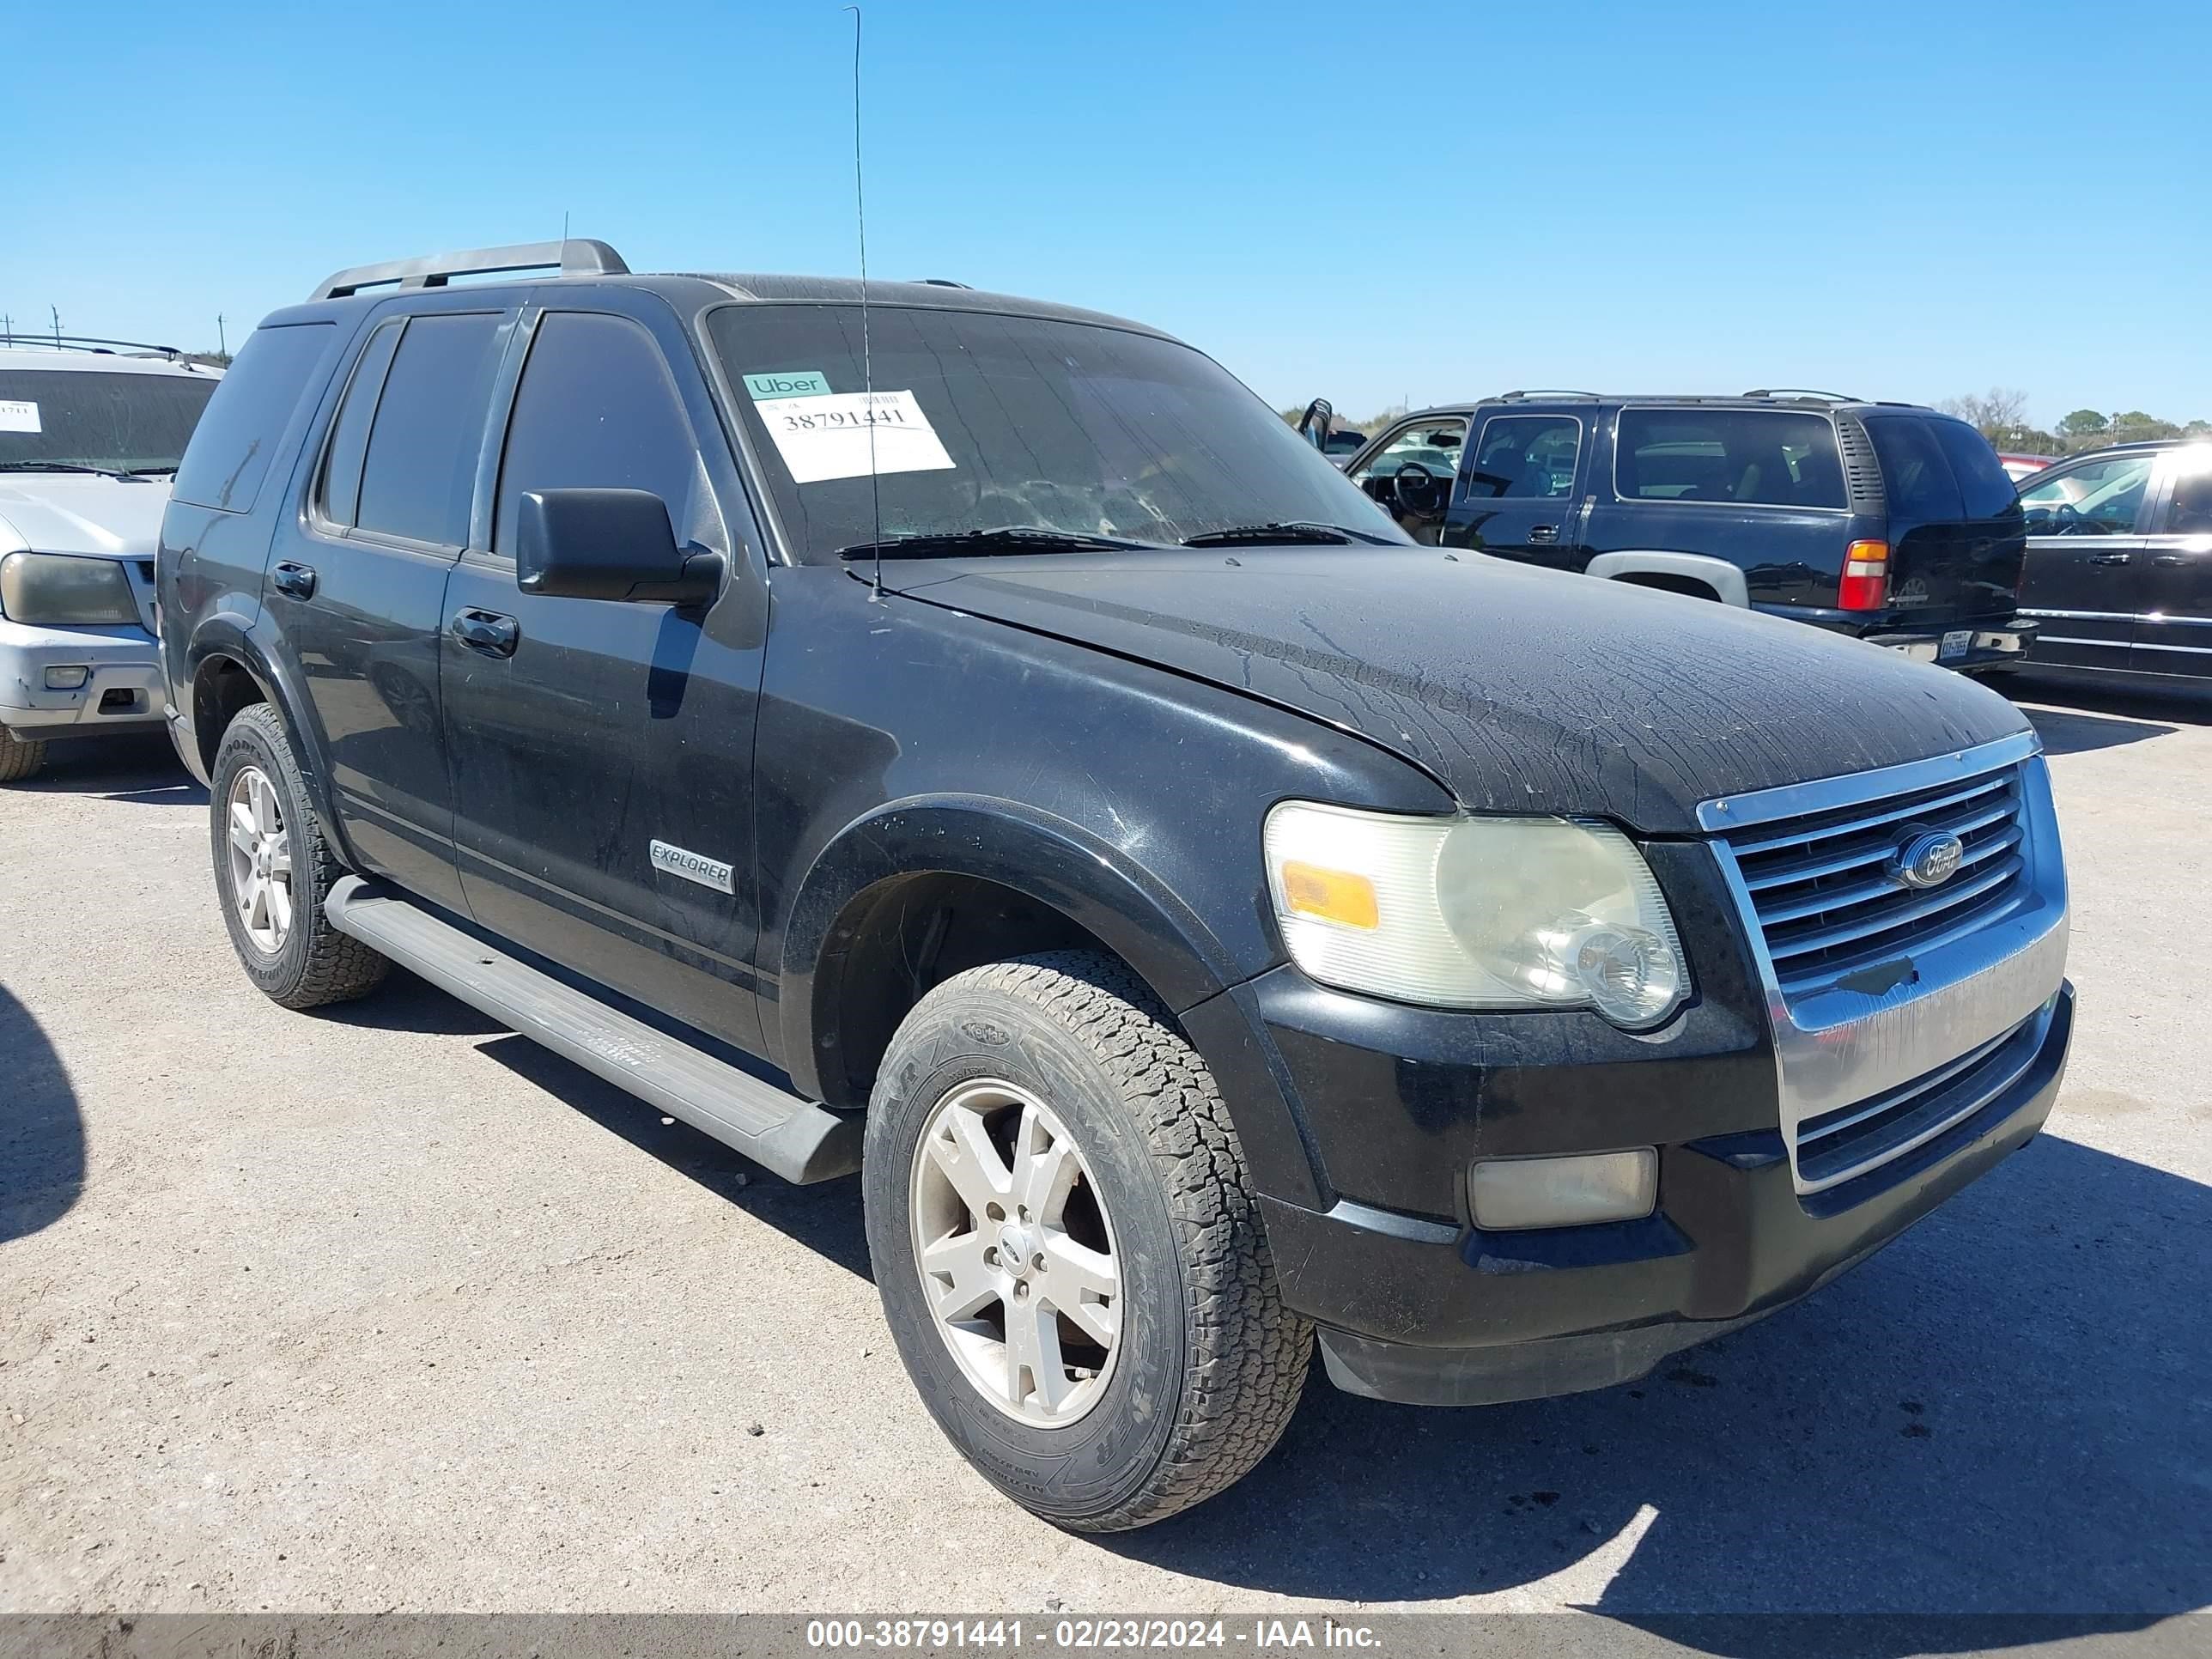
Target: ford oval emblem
(1928, 859)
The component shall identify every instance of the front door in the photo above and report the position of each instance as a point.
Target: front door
(1518, 493)
(2173, 632)
(584, 733)
(356, 583)
(2087, 557)
(1410, 476)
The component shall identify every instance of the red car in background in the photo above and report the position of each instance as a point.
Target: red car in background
(2020, 466)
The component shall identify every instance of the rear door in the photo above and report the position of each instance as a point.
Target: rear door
(2087, 553)
(2173, 632)
(356, 583)
(1761, 488)
(1517, 493)
(1955, 534)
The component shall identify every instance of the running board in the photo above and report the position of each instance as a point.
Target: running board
(797, 1139)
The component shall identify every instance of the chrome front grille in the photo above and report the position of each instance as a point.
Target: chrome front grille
(1824, 898)
(1897, 1013)
(1833, 1148)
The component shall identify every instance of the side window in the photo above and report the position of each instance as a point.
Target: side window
(236, 439)
(596, 409)
(419, 469)
(340, 498)
(2190, 514)
(1526, 455)
(1433, 445)
(2096, 498)
(1748, 457)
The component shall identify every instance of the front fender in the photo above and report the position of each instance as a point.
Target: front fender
(1033, 852)
(1083, 877)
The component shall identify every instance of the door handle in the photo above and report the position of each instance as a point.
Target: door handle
(2171, 560)
(296, 581)
(1547, 533)
(487, 631)
(2110, 558)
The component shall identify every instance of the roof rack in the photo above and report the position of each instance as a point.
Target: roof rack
(1789, 393)
(575, 257)
(86, 343)
(1543, 391)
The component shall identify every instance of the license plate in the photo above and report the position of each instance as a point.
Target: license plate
(1956, 643)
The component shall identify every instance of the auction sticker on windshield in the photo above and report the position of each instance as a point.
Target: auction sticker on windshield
(835, 434)
(18, 416)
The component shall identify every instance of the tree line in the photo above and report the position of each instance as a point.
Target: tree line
(2000, 415)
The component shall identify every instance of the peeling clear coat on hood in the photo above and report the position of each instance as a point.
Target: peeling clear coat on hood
(1521, 689)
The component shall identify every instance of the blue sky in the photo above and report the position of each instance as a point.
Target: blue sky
(1907, 201)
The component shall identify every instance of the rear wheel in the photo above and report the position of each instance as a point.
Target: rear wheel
(273, 870)
(19, 757)
(1067, 1246)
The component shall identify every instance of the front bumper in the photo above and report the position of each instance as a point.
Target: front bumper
(1425, 1314)
(123, 692)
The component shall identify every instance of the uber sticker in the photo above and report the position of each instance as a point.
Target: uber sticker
(836, 434)
(19, 417)
(792, 383)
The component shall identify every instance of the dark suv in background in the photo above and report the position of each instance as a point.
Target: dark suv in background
(1888, 521)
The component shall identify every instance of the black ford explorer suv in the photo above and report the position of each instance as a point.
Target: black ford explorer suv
(1888, 521)
(975, 742)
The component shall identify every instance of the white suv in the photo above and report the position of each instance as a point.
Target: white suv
(89, 443)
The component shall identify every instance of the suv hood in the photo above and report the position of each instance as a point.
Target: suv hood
(81, 513)
(1521, 690)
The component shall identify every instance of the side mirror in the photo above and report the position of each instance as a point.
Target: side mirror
(607, 544)
(1312, 425)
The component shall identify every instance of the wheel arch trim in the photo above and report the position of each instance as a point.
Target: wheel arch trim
(1725, 580)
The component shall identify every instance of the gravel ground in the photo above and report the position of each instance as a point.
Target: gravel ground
(388, 1308)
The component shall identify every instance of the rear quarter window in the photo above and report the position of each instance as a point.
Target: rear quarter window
(1916, 472)
(1985, 489)
(237, 437)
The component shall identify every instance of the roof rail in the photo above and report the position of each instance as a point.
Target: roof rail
(86, 343)
(1543, 391)
(1802, 392)
(576, 257)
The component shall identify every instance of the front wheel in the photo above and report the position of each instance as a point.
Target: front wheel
(1067, 1246)
(19, 757)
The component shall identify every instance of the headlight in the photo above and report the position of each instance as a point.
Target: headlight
(53, 590)
(1475, 913)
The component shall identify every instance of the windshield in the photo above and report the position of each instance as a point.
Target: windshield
(981, 420)
(73, 417)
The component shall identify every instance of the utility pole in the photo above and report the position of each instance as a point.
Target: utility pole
(222, 345)
(56, 310)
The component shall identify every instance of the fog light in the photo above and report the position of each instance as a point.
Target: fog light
(70, 678)
(1508, 1193)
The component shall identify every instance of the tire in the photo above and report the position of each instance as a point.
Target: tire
(19, 757)
(308, 963)
(1206, 1363)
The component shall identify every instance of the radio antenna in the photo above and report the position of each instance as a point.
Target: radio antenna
(867, 356)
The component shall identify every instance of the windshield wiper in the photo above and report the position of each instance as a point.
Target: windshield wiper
(57, 466)
(1292, 530)
(147, 471)
(1006, 539)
